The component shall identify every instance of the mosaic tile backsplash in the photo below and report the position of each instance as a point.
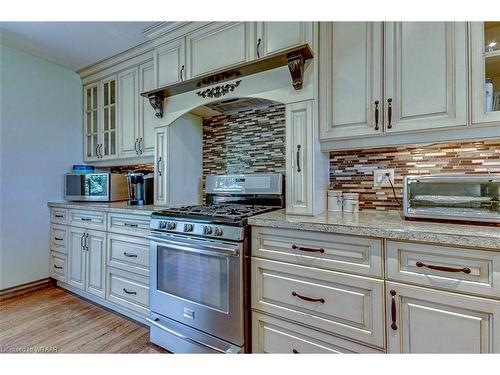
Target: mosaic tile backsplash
(250, 141)
(352, 170)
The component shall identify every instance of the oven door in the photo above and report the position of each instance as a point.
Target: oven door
(198, 282)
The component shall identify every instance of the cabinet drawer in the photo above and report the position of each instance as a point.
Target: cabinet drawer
(59, 215)
(347, 305)
(137, 225)
(128, 253)
(59, 238)
(58, 266)
(361, 255)
(128, 290)
(458, 269)
(88, 219)
(272, 335)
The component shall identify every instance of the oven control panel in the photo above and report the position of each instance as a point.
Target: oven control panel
(225, 232)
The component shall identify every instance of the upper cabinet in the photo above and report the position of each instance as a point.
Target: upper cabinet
(425, 75)
(170, 62)
(351, 79)
(91, 121)
(273, 37)
(128, 89)
(485, 71)
(218, 46)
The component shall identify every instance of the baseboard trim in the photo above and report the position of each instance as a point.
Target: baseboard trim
(22, 289)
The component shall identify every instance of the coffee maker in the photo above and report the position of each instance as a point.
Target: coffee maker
(140, 188)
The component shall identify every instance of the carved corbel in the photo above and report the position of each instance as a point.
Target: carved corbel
(296, 66)
(157, 104)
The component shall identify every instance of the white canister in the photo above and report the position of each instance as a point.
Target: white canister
(351, 202)
(334, 200)
(488, 95)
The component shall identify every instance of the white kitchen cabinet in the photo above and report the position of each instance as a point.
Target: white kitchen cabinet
(147, 118)
(128, 96)
(485, 65)
(421, 320)
(425, 75)
(58, 266)
(305, 164)
(91, 128)
(218, 46)
(273, 37)
(87, 259)
(178, 152)
(350, 81)
(170, 62)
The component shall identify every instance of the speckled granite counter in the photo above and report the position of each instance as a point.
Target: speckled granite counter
(121, 207)
(387, 224)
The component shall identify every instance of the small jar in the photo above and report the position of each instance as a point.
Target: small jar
(351, 202)
(334, 200)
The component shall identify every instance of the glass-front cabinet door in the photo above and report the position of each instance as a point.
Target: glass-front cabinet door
(485, 50)
(108, 140)
(91, 123)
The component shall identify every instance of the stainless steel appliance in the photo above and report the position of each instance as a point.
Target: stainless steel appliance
(140, 188)
(100, 187)
(453, 197)
(199, 266)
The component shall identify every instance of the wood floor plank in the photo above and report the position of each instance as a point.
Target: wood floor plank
(56, 318)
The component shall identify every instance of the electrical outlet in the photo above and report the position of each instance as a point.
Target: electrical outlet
(381, 177)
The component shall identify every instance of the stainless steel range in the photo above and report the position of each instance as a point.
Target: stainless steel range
(199, 273)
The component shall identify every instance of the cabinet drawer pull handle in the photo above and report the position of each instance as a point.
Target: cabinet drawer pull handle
(58, 267)
(442, 268)
(182, 71)
(376, 114)
(129, 255)
(308, 249)
(298, 158)
(97, 151)
(140, 147)
(389, 113)
(59, 216)
(86, 243)
(309, 299)
(86, 219)
(158, 166)
(258, 47)
(135, 146)
(295, 351)
(128, 291)
(81, 242)
(130, 225)
(394, 326)
(58, 238)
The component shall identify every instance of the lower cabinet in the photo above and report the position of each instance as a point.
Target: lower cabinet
(422, 320)
(128, 290)
(58, 266)
(87, 251)
(272, 335)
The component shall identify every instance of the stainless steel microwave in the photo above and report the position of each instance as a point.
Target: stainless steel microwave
(98, 187)
(453, 197)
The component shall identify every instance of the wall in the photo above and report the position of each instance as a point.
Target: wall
(352, 170)
(250, 141)
(40, 138)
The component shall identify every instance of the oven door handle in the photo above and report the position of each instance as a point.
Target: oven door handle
(181, 336)
(197, 248)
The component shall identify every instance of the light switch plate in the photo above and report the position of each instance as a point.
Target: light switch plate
(380, 177)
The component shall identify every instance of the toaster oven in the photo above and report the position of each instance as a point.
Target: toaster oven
(453, 197)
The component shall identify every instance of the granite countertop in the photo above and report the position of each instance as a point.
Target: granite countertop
(385, 224)
(120, 207)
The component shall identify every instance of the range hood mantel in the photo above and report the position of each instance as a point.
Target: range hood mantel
(293, 57)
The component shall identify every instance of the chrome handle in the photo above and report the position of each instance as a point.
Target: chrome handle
(158, 166)
(298, 158)
(182, 71)
(196, 248)
(58, 238)
(258, 47)
(389, 113)
(131, 225)
(376, 114)
(129, 255)
(86, 243)
(128, 291)
(58, 267)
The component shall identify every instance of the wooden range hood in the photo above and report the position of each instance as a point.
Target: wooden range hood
(293, 57)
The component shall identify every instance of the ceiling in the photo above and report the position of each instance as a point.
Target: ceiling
(73, 44)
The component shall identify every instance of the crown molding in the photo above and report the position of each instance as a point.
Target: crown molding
(161, 28)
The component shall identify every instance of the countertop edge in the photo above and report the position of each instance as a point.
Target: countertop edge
(132, 210)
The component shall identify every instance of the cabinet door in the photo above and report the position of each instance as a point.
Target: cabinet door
(273, 37)
(161, 142)
(76, 258)
(128, 96)
(169, 62)
(432, 321)
(299, 143)
(219, 45)
(108, 149)
(96, 260)
(425, 75)
(350, 81)
(485, 71)
(147, 116)
(91, 121)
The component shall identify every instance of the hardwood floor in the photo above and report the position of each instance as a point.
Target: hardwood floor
(55, 320)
